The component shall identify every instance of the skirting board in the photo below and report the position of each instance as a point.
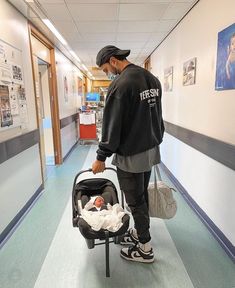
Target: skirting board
(70, 150)
(215, 231)
(12, 226)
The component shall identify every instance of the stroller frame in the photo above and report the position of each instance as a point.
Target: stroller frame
(91, 242)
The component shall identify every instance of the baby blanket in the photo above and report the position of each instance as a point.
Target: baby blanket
(110, 219)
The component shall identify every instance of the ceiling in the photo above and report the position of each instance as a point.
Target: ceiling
(89, 25)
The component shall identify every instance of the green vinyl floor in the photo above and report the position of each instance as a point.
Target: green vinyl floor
(45, 251)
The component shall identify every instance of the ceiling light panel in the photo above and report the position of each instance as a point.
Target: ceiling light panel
(54, 31)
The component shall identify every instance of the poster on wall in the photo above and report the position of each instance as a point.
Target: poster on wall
(73, 86)
(14, 100)
(5, 107)
(66, 90)
(21, 94)
(23, 115)
(2, 51)
(22, 107)
(225, 65)
(79, 86)
(5, 72)
(189, 72)
(17, 74)
(168, 79)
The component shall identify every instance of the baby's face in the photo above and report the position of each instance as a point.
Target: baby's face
(232, 44)
(99, 201)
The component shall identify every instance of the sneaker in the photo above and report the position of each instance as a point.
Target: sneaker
(135, 253)
(130, 238)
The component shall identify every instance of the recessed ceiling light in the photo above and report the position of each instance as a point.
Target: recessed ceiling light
(75, 55)
(54, 31)
(84, 67)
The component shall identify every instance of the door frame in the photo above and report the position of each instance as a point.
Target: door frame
(53, 90)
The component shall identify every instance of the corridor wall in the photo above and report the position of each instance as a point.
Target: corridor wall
(70, 99)
(19, 153)
(199, 108)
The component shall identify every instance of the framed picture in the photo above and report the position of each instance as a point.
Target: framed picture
(189, 72)
(66, 90)
(79, 82)
(225, 64)
(168, 79)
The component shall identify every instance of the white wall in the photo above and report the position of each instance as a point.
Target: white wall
(69, 135)
(200, 108)
(209, 183)
(65, 68)
(15, 187)
(68, 104)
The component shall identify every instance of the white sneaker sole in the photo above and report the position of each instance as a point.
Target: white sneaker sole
(141, 260)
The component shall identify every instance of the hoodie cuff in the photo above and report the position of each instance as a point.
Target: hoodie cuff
(101, 157)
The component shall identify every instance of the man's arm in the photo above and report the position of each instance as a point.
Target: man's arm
(111, 129)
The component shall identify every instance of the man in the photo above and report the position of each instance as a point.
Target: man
(132, 129)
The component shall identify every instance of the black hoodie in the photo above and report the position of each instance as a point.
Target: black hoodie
(132, 118)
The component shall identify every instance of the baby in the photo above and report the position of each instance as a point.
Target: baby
(96, 203)
(107, 217)
(231, 56)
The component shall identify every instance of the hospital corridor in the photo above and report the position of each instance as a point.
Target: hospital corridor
(117, 144)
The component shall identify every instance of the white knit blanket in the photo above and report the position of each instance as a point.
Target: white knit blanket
(110, 219)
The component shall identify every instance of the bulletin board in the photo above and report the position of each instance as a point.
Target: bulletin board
(13, 104)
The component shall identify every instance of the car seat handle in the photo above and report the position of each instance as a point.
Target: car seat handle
(89, 170)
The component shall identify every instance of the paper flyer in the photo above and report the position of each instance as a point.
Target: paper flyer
(14, 100)
(17, 76)
(5, 72)
(5, 107)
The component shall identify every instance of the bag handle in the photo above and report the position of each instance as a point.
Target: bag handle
(158, 172)
(157, 175)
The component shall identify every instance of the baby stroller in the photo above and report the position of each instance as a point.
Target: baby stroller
(82, 191)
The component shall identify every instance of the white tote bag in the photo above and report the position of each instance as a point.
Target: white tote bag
(161, 201)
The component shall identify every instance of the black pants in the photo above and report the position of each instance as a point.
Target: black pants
(134, 186)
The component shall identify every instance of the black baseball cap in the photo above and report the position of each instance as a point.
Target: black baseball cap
(105, 53)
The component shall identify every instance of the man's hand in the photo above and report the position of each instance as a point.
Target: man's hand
(98, 166)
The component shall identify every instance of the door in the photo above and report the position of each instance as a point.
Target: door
(47, 107)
